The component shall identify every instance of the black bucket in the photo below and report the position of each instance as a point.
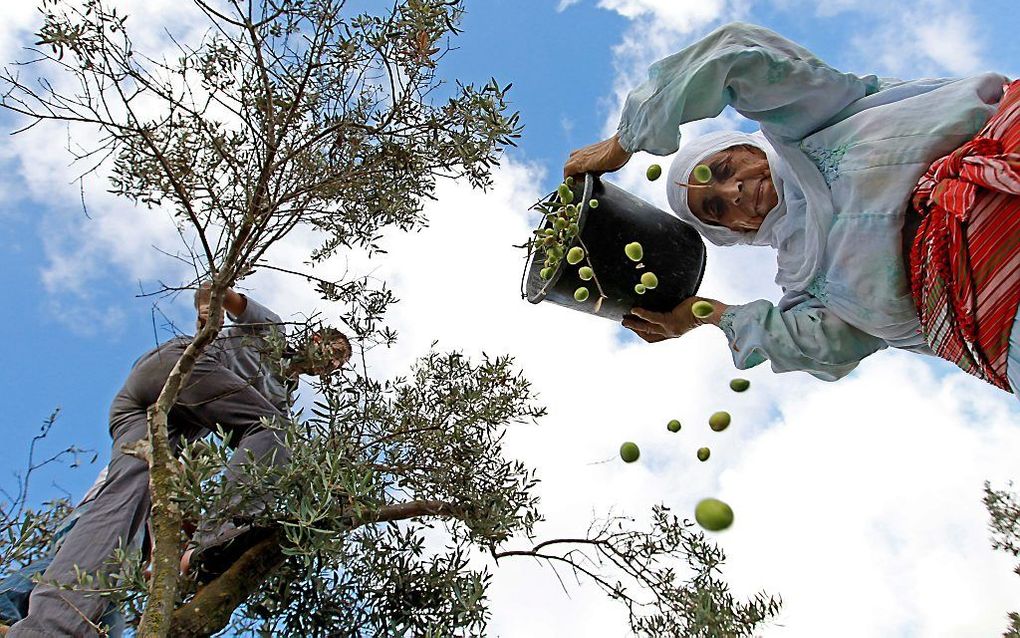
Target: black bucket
(673, 250)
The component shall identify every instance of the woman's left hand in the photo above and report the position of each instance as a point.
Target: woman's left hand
(602, 157)
(654, 327)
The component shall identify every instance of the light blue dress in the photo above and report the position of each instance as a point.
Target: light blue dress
(855, 145)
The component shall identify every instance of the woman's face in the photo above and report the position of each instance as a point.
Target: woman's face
(740, 193)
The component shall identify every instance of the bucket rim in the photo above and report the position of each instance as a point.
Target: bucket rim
(540, 294)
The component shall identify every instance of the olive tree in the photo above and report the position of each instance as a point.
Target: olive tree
(323, 115)
(1004, 510)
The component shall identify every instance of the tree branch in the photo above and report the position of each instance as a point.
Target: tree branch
(210, 609)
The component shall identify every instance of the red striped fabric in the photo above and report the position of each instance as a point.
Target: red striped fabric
(965, 259)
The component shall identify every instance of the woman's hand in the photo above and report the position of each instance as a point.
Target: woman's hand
(604, 157)
(654, 327)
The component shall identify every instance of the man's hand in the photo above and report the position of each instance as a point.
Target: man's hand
(604, 157)
(234, 303)
(654, 327)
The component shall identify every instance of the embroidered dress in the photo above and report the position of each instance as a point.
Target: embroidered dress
(965, 259)
(851, 150)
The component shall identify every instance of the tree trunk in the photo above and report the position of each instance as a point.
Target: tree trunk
(163, 469)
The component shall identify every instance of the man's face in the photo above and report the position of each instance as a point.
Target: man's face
(330, 354)
(740, 193)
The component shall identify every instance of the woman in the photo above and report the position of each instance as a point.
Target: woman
(828, 183)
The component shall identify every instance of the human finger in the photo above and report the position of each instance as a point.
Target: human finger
(650, 316)
(642, 326)
(649, 337)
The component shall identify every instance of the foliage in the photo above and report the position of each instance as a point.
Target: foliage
(1004, 510)
(26, 533)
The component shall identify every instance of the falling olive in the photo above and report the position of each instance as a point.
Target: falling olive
(702, 173)
(629, 452)
(713, 514)
(719, 421)
(739, 385)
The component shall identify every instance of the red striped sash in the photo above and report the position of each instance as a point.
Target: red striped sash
(966, 255)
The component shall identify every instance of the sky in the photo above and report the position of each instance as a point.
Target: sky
(859, 502)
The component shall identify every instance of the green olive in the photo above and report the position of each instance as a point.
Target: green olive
(545, 273)
(713, 515)
(719, 421)
(575, 255)
(654, 172)
(581, 294)
(649, 280)
(634, 251)
(639, 289)
(570, 210)
(569, 181)
(739, 385)
(559, 224)
(702, 174)
(566, 195)
(593, 203)
(703, 453)
(673, 425)
(585, 272)
(702, 309)
(629, 452)
(574, 228)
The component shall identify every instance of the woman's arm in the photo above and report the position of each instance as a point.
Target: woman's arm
(806, 337)
(761, 74)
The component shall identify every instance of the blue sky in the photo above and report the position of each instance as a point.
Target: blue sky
(75, 323)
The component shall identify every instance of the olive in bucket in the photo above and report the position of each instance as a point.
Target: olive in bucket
(628, 252)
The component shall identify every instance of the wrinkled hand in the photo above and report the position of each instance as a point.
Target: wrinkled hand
(654, 327)
(604, 157)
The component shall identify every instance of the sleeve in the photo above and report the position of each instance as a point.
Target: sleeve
(762, 75)
(801, 334)
(256, 320)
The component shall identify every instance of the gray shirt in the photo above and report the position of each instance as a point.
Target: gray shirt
(240, 349)
(239, 346)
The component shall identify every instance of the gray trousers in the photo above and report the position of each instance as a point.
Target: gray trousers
(213, 396)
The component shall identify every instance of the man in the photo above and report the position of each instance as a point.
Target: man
(231, 387)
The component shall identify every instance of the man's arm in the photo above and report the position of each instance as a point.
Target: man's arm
(234, 303)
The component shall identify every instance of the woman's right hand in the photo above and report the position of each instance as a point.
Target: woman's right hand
(603, 157)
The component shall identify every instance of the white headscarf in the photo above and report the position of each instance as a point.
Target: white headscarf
(797, 231)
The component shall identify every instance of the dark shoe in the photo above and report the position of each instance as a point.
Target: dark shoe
(210, 561)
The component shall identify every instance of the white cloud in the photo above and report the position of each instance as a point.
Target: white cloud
(565, 4)
(908, 44)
